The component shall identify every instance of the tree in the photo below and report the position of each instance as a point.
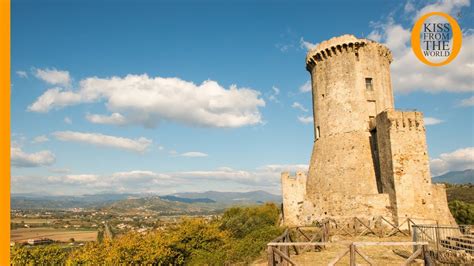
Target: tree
(463, 212)
(196, 240)
(242, 221)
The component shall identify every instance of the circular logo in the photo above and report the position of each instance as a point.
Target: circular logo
(436, 39)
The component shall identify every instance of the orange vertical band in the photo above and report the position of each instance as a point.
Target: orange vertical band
(5, 132)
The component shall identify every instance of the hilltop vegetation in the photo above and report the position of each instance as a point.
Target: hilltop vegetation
(238, 236)
(461, 202)
(460, 192)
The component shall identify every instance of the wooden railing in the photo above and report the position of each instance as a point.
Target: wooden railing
(280, 254)
(340, 227)
(297, 240)
(277, 256)
(353, 250)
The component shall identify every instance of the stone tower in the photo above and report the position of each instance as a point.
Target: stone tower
(355, 167)
(351, 84)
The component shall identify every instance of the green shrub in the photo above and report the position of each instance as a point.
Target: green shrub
(252, 245)
(242, 221)
(463, 212)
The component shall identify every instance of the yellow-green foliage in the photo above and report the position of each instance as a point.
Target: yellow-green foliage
(239, 236)
(45, 255)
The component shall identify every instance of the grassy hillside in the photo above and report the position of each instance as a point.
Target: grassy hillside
(161, 206)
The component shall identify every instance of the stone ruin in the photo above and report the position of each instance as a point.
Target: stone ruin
(369, 159)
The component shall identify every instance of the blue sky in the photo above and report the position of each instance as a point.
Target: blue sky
(186, 96)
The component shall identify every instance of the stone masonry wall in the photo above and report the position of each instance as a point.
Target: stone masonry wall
(405, 168)
(293, 192)
(368, 160)
(342, 159)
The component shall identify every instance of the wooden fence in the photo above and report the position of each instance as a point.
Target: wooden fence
(279, 250)
(360, 227)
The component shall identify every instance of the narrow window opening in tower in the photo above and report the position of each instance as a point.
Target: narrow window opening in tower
(317, 133)
(368, 84)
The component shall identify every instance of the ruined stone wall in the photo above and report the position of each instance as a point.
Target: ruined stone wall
(405, 171)
(293, 192)
(342, 159)
(344, 206)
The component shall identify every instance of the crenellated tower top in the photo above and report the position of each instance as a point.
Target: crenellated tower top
(339, 45)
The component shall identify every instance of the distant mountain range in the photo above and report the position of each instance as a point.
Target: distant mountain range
(194, 202)
(231, 198)
(456, 177)
(186, 200)
(35, 201)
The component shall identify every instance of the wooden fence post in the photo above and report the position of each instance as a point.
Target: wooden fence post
(437, 237)
(427, 256)
(352, 255)
(270, 257)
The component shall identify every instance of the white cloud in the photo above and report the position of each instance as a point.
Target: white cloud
(307, 45)
(53, 76)
(140, 175)
(449, 7)
(54, 98)
(266, 177)
(306, 87)
(146, 101)
(19, 158)
(22, 74)
(284, 167)
(457, 160)
(410, 74)
(299, 106)
(113, 119)
(137, 145)
(67, 120)
(80, 179)
(375, 36)
(468, 101)
(274, 94)
(432, 121)
(130, 181)
(194, 154)
(40, 139)
(305, 119)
